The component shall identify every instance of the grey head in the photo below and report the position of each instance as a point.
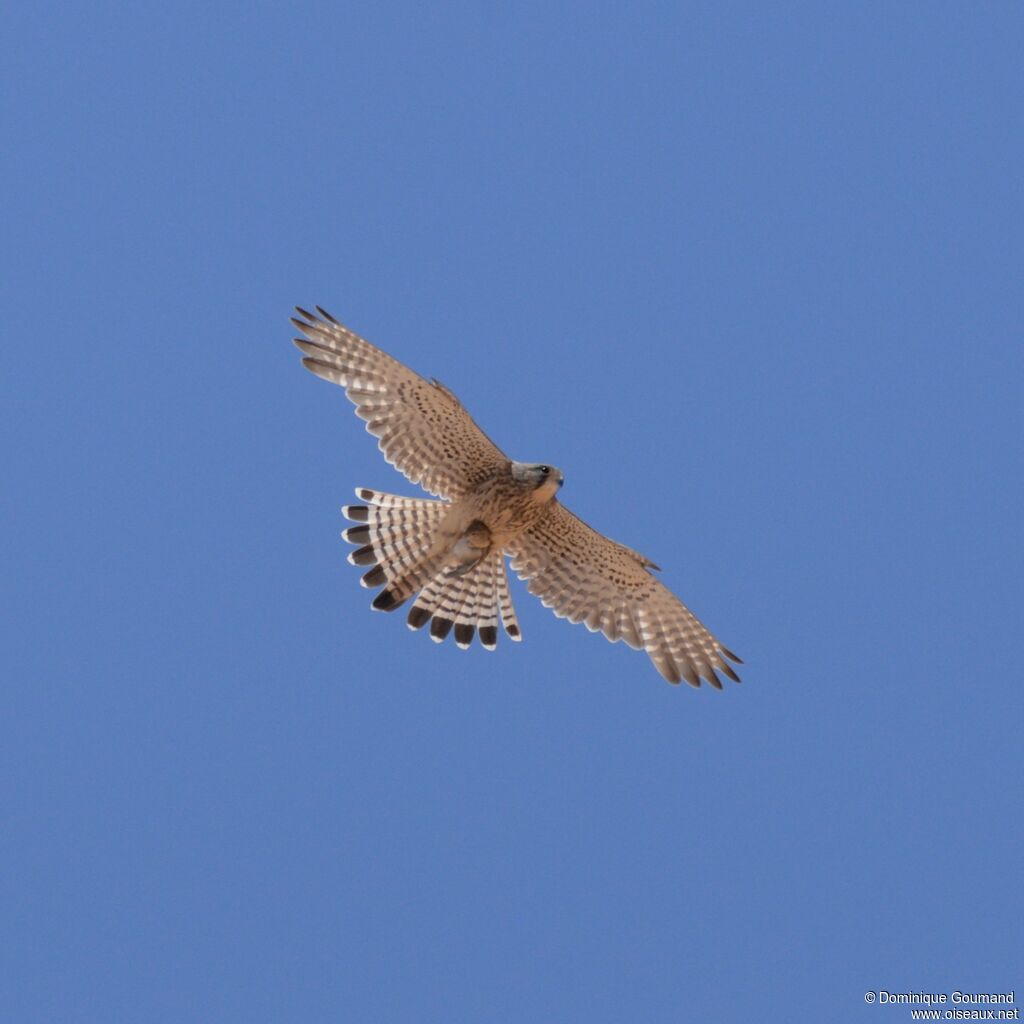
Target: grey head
(542, 479)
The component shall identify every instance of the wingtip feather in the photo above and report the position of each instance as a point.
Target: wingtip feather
(327, 316)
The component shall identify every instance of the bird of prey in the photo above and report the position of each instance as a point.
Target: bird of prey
(448, 555)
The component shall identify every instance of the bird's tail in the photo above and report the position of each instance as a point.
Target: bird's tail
(396, 539)
(471, 602)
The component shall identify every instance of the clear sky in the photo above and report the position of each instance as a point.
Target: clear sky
(749, 273)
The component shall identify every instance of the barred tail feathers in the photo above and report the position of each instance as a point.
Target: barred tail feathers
(469, 604)
(505, 609)
(394, 539)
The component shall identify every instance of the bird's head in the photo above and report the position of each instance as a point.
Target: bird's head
(543, 480)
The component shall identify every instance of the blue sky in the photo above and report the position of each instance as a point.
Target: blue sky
(749, 274)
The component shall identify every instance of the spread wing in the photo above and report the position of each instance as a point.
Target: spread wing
(583, 576)
(424, 430)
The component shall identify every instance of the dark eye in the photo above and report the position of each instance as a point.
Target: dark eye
(544, 470)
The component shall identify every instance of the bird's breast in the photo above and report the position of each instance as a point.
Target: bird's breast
(505, 508)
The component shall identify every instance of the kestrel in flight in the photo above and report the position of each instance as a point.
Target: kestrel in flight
(449, 555)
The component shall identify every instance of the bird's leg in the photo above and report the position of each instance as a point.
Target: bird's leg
(469, 549)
